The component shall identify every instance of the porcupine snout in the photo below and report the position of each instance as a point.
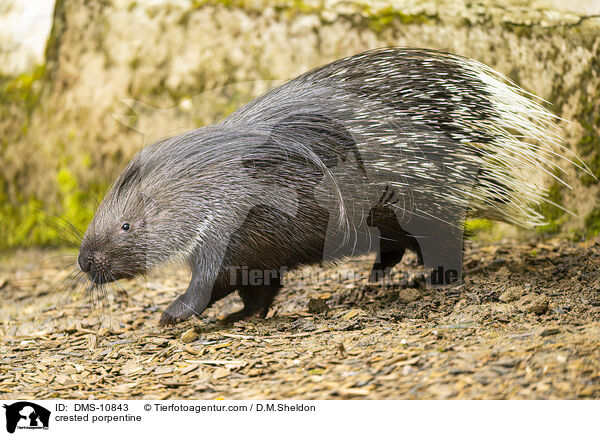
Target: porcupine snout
(94, 264)
(85, 261)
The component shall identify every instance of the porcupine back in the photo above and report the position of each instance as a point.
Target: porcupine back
(438, 127)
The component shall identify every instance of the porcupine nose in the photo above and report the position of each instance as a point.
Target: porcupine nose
(84, 261)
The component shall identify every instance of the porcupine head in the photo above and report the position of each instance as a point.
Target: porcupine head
(177, 200)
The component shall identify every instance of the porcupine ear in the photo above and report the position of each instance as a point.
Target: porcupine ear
(328, 138)
(132, 174)
(130, 177)
(313, 142)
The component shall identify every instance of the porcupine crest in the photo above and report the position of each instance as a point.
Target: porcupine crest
(439, 128)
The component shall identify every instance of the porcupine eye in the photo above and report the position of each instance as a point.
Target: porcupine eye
(125, 227)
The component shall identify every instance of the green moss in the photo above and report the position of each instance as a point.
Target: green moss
(226, 3)
(555, 216)
(525, 31)
(376, 19)
(589, 145)
(592, 222)
(587, 115)
(23, 90)
(304, 8)
(32, 222)
(478, 225)
(484, 230)
(19, 96)
(386, 17)
(77, 204)
(21, 222)
(59, 25)
(592, 162)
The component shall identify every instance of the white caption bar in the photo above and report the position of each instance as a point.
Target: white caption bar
(264, 417)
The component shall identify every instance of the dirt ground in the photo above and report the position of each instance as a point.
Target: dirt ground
(524, 324)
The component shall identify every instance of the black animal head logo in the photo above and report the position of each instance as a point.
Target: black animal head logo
(24, 414)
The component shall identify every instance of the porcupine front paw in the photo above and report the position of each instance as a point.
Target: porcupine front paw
(167, 319)
(178, 311)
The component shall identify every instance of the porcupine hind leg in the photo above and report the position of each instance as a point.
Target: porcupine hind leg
(393, 240)
(256, 299)
(388, 258)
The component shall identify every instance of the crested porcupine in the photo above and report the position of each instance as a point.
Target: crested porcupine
(382, 151)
